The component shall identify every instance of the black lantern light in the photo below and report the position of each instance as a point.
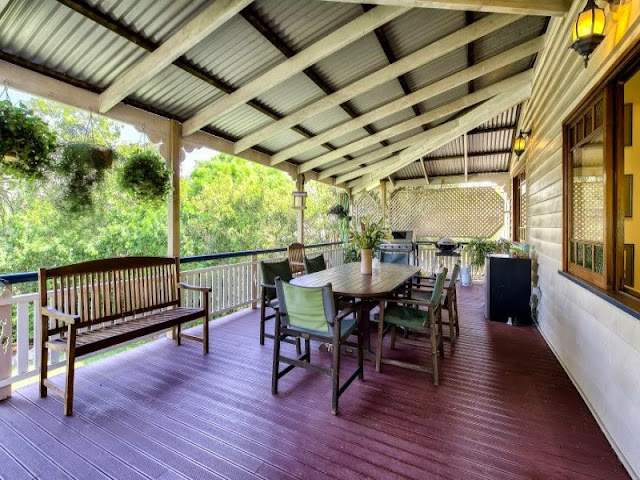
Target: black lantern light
(588, 30)
(520, 142)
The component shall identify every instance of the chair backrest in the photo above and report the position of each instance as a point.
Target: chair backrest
(309, 308)
(316, 264)
(454, 276)
(436, 296)
(401, 258)
(101, 291)
(269, 271)
(295, 252)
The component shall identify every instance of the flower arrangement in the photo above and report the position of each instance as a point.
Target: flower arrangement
(368, 234)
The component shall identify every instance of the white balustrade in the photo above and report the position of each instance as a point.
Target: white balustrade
(234, 286)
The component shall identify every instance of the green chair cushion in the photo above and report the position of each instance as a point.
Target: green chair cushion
(316, 264)
(347, 327)
(305, 308)
(402, 316)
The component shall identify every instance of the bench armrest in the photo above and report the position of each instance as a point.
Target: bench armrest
(58, 315)
(186, 286)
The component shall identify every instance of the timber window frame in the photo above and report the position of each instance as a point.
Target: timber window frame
(519, 206)
(591, 123)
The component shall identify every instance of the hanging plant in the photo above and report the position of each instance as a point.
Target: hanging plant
(26, 143)
(338, 211)
(146, 176)
(82, 167)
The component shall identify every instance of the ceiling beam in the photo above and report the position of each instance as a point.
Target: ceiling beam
(254, 19)
(183, 63)
(498, 179)
(197, 29)
(459, 78)
(425, 118)
(324, 47)
(424, 170)
(391, 58)
(521, 7)
(454, 128)
(465, 149)
(423, 56)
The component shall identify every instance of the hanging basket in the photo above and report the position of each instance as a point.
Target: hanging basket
(26, 143)
(82, 167)
(145, 176)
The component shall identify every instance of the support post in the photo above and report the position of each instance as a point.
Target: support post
(173, 159)
(300, 211)
(383, 199)
(5, 339)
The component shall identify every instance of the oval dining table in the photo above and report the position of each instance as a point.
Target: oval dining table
(347, 282)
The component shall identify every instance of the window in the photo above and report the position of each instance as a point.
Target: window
(601, 204)
(519, 196)
(587, 198)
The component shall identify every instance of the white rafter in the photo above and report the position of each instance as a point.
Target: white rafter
(329, 44)
(187, 37)
(458, 127)
(422, 56)
(427, 117)
(522, 7)
(459, 78)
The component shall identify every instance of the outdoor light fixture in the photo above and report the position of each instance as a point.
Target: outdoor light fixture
(300, 196)
(299, 200)
(520, 143)
(588, 30)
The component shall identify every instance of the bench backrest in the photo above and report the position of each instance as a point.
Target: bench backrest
(110, 289)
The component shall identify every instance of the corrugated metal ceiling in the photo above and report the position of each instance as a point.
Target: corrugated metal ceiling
(52, 35)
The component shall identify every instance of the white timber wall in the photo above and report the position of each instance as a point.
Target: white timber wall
(597, 343)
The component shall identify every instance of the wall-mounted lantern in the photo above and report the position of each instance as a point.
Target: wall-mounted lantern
(588, 30)
(520, 142)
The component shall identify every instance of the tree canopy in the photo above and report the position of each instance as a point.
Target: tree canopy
(228, 204)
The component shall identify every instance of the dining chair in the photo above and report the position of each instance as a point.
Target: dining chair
(422, 319)
(310, 313)
(315, 264)
(449, 302)
(295, 252)
(269, 271)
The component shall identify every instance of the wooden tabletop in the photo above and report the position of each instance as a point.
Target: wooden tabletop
(347, 280)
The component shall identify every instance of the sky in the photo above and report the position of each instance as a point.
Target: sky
(130, 134)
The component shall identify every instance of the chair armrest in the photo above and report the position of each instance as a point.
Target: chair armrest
(268, 285)
(58, 315)
(345, 312)
(409, 301)
(186, 286)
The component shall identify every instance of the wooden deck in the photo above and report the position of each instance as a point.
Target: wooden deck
(505, 410)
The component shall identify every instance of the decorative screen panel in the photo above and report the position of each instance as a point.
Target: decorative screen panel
(367, 205)
(448, 212)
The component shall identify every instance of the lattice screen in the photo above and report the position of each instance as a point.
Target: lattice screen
(588, 211)
(367, 205)
(448, 212)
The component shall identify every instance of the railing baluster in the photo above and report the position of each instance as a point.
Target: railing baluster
(22, 334)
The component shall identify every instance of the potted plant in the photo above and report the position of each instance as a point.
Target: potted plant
(366, 237)
(146, 176)
(26, 143)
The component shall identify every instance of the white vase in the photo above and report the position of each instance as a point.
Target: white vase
(365, 261)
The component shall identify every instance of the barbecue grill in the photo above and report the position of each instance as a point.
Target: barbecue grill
(402, 241)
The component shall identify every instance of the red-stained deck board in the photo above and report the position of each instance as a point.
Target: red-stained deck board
(505, 409)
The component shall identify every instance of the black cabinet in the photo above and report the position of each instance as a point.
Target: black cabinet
(508, 289)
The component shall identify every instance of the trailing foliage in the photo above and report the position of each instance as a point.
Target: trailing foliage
(146, 176)
(82, 168)
(479, 248)
(26, 143)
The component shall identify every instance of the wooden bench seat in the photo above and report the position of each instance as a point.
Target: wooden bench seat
(95, 305)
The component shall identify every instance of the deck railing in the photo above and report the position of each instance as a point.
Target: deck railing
(233, 277)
